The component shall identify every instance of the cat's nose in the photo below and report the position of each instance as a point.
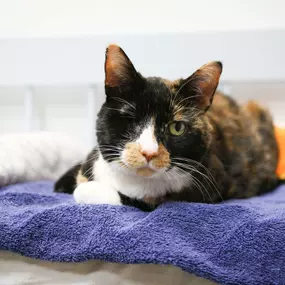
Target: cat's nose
(149, 155)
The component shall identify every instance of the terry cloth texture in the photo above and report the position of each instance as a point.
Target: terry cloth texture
(238, 242)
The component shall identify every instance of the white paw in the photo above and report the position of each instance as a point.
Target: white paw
(94, 192)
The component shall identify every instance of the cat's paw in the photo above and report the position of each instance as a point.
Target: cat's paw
(94, 192)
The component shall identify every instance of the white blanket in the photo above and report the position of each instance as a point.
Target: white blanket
(37, 156)
(19, 270)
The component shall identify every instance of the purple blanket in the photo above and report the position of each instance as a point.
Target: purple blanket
(241, 242)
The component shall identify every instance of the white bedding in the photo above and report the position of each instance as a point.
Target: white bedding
(37, 156)
(18, 270)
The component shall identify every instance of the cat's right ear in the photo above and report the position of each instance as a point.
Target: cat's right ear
(202, 84)
(119, 70)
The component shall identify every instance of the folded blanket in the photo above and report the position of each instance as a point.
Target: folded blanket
(238, 242)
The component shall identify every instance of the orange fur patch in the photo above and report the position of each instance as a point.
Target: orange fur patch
(171, 85)
(80, 178)
(133, 155)
(135, 159)
(178, 116)
(254, 108)
(162, 159)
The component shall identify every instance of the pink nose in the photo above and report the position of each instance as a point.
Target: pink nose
(149, 155)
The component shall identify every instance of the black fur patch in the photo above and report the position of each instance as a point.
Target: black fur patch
(87, 165)
(67, 182)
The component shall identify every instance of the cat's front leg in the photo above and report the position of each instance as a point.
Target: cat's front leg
(94, 192)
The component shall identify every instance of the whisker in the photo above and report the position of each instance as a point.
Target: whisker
(209, 179)
(199, 185)
(127, 112)
(124, 101)
(196, 179)
(189, 97)
(181, 174)
(87, 172)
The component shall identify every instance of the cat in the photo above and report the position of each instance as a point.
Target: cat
(161, 140)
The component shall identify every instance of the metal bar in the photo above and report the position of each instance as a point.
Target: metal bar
(91, 114)
(29, 106)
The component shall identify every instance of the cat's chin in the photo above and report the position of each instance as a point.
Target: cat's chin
(145, 172)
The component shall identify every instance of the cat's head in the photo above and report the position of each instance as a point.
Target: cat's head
(149, 125)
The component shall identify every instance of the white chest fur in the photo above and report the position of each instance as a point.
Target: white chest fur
(135, 186)
(111, 178)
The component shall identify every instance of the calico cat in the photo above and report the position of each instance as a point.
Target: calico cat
(161, 140)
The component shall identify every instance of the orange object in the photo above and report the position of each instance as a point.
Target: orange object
(280, 137)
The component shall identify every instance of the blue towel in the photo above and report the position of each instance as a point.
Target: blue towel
(240, 242)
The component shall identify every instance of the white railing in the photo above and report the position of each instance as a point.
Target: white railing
(32, 120)
(91, 97)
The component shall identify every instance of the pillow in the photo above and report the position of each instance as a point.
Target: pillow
(280, 137)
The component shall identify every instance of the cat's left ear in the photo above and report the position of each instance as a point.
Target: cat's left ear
(203, 83)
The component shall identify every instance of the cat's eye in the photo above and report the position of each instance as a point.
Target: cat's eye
(177, 128)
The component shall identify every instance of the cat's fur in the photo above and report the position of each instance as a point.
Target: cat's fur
(227, 150)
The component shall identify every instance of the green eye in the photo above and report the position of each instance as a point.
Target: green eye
(177, 128)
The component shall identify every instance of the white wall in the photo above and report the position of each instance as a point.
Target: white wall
(46, 18)
(248, 55)
(57, 46)
(61, 69)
